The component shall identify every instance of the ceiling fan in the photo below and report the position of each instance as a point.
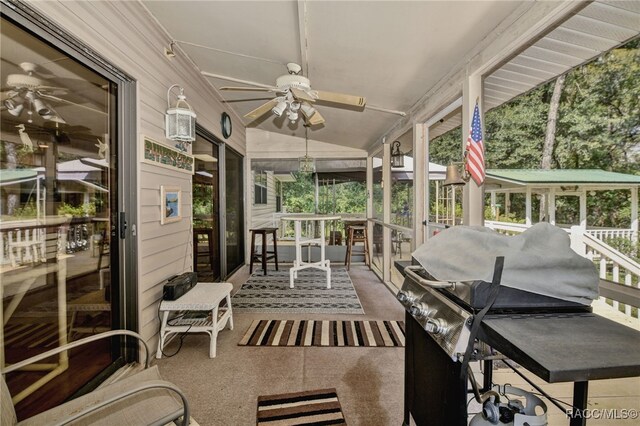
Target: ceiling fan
(294, 97)
(30, 92)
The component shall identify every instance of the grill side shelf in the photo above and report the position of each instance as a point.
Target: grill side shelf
(565, 347)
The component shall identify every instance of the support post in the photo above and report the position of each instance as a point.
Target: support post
(634, 213)
(527, 207)
(472, 195)
(577, 240)
(552, 206)
(420, 183)
(507, 203)
(386, 213)
(370, 212)
(493, 205)
(437, 201)
(583, 209)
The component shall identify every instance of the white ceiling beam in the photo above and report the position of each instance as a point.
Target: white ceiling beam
(390, 111)
(303, 36)
(235, 80)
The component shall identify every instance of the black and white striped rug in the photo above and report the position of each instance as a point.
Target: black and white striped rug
(271, 293)
(324, 333)
(317, 407)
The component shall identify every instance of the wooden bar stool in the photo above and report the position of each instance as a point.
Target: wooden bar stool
(203, 235)
(357, 234)
(264, 255)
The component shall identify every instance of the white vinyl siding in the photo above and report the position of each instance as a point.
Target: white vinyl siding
(262, 214)
(130, 38)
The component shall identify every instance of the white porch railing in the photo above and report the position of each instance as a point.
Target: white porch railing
(612, 264)
(286, 227)
(506, 228)
(605, 234)
(24, 241)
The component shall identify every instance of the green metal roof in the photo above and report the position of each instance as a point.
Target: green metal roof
(563, 176)
(16, 175)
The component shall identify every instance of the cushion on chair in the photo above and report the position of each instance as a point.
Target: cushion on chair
(142, 408)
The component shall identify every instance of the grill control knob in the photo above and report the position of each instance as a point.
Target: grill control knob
(405, 298)
(419, 311)
(436, 326)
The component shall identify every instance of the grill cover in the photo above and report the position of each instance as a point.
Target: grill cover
(540, 260)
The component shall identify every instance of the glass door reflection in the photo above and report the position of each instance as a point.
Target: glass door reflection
(206, 200)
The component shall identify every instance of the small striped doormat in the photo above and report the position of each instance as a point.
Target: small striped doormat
(324, 333)
(317, 407)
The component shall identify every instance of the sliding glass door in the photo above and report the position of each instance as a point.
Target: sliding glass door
(59, 240)
(234, 194)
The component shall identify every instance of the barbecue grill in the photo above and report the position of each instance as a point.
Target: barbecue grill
(451, 323)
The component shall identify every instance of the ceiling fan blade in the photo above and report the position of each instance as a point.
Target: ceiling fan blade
(248, 89)
(8, 94)
(301, 95)
(315, 119)
(341, 98)
(59, 90)
(262, 109)
(64, 101)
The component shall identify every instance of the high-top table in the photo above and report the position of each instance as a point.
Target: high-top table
(298, 263)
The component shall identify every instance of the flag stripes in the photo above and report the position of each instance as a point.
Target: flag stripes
(475, 148)
(324, 333)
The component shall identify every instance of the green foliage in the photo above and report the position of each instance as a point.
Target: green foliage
(299, 196)
(87, 209)
(625, 246)
(402, 203)
(598, 128)
(27, 211)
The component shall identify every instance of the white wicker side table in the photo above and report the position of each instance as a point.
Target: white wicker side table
(203, 297)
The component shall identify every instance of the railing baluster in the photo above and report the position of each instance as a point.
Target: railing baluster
(616, 279)
(603, 267)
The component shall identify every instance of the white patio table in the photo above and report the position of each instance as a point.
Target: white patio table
(298, 264)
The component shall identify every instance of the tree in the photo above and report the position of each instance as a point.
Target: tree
(550, 134)
(597, 126)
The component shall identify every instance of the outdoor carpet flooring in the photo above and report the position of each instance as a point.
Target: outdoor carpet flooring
(271, 293)
(317, 407)
(324, 333)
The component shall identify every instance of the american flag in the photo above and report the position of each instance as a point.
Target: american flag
(475, 149)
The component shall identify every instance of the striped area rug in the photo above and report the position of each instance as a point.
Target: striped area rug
(324, 333)
(317, 407)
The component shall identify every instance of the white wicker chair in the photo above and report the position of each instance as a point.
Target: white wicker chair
(142, 398)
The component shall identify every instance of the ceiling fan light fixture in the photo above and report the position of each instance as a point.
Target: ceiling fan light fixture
(278, 110)
(14, 107)
(292, 115)
(40, 107)
(180, 120)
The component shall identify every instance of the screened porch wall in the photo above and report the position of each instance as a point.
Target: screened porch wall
(127, 36)
(263, 145)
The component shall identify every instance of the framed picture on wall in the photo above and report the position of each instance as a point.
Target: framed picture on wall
(170, 204)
